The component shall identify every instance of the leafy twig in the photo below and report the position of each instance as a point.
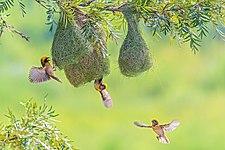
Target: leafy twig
(12, 29)
(6, 5)
(86, 4)
(48, 7)
(112, 8)
(34, 130)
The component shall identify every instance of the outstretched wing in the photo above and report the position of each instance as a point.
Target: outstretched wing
(38, 74)
(171, 126)
(139, 124)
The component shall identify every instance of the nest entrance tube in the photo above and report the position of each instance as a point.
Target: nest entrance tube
(73, 52)
(134, 54)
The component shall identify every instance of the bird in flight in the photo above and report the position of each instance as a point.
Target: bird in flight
(160, 129)
(44, 73)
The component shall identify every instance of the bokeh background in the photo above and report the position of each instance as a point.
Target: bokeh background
(181, 85)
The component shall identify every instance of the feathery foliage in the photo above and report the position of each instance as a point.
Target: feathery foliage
(185, 21)
(22, 7)
(6, 5)
(34, 130)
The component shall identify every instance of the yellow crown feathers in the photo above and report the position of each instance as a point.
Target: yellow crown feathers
(155, 119)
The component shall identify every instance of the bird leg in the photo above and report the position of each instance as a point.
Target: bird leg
(158, 138)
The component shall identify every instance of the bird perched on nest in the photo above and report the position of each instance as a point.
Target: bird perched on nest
(44, 73)
(101, 87)
(159, 129)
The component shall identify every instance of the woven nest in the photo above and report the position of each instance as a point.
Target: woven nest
(69, 45)
(90, 67)
(134, 57)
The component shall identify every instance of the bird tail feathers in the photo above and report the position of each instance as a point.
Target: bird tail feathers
(107, 100)
(163, 139)
(57, 79)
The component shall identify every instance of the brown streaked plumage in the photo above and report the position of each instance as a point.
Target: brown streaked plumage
(44, 73)
(101, 88)
(160, 129)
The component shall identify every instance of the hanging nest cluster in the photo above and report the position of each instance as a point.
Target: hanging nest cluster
(84, 61)
(81, 61)
(69, 45)
(134, 57)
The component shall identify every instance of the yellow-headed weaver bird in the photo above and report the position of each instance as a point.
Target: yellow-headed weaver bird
(160, 129)
(44, 73)
(101, 87)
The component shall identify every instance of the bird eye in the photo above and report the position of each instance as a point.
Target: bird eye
(102, 86)
(46, 60)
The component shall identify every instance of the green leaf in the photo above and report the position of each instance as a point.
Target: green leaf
(5, 5)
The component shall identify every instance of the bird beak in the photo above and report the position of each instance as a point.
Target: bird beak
(48, 58)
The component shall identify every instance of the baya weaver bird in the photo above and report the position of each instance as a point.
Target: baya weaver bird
(44, 73)
(160, 129)
(101, 88)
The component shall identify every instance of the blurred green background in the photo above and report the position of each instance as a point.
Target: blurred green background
(181, 86)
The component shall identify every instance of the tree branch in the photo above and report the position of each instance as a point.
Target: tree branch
(86, 4)
(41, 3)
(12, 29)
(112, 8)
(46, 7)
